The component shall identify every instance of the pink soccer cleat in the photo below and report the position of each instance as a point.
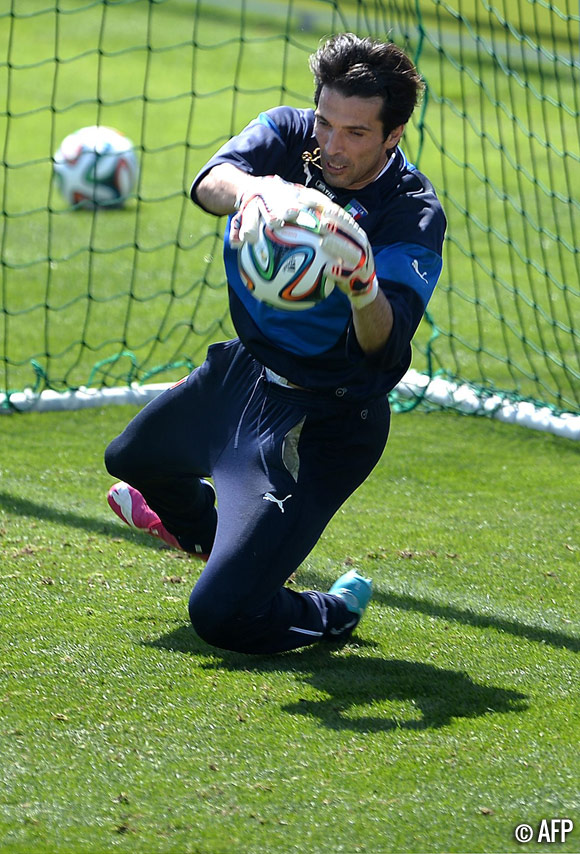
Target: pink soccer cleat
(131, 507)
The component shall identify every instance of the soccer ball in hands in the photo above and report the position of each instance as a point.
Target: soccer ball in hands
(286, 265)
(96, 167)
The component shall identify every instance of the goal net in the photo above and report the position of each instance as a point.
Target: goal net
(112, 305)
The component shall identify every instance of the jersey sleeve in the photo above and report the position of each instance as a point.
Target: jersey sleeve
(266, 146)
(410, 264)
(407, 275)
(407, 244)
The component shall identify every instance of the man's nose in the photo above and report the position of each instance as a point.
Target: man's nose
(333, 143)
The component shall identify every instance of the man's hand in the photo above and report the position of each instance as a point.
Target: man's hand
(354, 270)
(274, 201)
(354, 273)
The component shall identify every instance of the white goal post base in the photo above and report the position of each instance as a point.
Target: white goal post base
(436, 391)
(464, 398)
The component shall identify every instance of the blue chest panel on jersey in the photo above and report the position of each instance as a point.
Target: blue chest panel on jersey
(304, 333)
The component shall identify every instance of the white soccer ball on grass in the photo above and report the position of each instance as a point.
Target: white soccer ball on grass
(96, 167)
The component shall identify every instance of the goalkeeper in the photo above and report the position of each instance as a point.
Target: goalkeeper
(290, 417)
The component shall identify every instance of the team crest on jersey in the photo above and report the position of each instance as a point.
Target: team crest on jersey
(355, 209)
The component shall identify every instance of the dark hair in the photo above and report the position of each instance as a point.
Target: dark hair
(368, 68)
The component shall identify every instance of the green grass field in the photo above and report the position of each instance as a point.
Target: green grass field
(451, 717)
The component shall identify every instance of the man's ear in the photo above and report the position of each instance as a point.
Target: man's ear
(394, 137)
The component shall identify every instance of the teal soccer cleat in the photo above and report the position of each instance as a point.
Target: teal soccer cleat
(354, 590)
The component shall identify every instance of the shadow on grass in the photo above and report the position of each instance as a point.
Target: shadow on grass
(465, 616)
(360, 689)
(117, 530)
(403, 602)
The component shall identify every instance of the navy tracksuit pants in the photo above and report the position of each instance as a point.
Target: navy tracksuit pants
(283, 460)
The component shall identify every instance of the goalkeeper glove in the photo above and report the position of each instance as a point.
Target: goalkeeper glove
(273, 201)
(354, 270)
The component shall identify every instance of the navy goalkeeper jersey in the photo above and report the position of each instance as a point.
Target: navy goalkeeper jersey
(317, 348)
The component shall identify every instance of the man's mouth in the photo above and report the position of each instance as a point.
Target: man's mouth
(335, 168)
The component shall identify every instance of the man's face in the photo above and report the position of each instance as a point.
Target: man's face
(350, 135)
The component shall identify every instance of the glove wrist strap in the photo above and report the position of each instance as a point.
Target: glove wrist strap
(367, 297)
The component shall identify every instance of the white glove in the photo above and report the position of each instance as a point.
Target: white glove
(354, 270)
(275, 201)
